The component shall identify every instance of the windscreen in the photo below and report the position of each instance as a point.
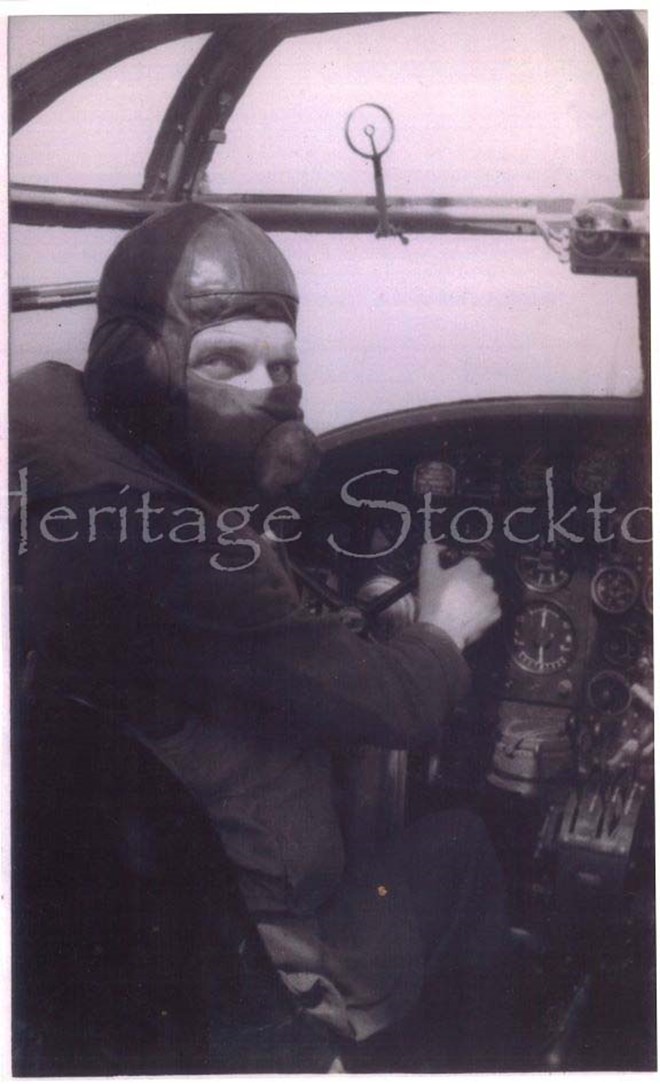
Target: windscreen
(495, 106)
(485, 105)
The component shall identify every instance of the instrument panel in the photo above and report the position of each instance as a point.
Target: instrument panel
(554, 743)
(555, 503)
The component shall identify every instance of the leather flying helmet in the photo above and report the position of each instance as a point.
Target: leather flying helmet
(179, 272)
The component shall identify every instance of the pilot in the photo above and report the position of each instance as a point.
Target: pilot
(189, 405)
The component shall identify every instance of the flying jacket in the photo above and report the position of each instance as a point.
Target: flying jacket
(243, 695)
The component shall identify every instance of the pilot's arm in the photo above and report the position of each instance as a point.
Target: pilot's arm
(242, 634)
(174, 635)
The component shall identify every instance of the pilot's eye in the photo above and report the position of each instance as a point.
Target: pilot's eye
(218, 367)
(281, 372)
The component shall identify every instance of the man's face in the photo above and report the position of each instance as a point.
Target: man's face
(250, 354)
(243, 398)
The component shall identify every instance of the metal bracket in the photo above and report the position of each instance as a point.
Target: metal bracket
(363, 125)
(600, 237)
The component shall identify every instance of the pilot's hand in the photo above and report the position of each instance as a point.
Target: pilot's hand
(460, 600)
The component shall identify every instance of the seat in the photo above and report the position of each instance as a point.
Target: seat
(133, 950)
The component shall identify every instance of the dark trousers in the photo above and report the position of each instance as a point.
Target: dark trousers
(463, 1018)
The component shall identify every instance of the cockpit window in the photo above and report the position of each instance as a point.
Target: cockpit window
(509, 106)
(111, 120)
(485, 105)
(449, 318)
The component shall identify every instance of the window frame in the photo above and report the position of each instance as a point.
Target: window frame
(207, 95)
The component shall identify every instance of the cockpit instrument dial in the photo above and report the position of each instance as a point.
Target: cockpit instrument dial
(545, 569)
(609, 693)
(624, 645)
(435, 477)
(614, 589)
(543, 640)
